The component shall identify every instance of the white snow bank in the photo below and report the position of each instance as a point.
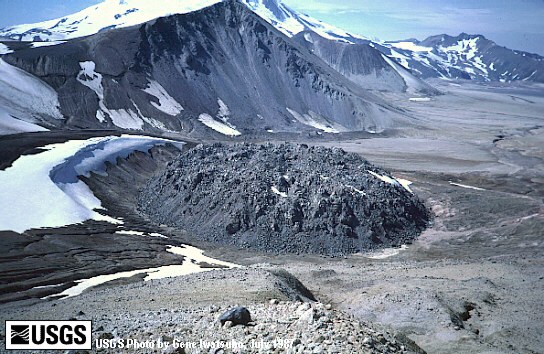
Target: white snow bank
(386, 253)
(405, 183)
(313, 120)
(384, 178)
(394, 181)
(465, 186)
(4, 49)
(167, 103)
(46, 44)
(275, 190)
(126, 119)
(220, 127)
(42, 190)
(420, 99)
(193, 256)
(25, 93)
(411, 46)
(10, 125)
(139, 233)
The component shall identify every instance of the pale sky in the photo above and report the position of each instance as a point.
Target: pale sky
(517, 24)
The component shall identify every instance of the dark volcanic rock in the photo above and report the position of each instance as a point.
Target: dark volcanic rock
(238, 316)
(285, 198)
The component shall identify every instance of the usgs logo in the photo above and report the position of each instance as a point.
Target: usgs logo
(31, 335)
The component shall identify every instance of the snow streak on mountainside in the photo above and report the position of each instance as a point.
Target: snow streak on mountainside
(112, 14)
(466, 57)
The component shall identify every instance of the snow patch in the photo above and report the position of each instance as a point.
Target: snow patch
(275, 190)
(465, 186)
(11, 125)
(139, 233)
(167, 103)
(466, 47)
(411, 46)
(420, 99)
(224, 111)
(357, 190)
(152, 122)
(26, 94)
(394, 181)
(197, 255)
(220, 127)
(405, 183)
(93, 80)
(46, 44)
(313, 120)
(125, 119)
(384, 178)
(386, 253)
(4, 49)
(192, 257)
(402, 59)
(308, 37)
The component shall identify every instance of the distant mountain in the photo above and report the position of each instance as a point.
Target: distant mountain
(466, 57)
(364, 65)
(220, 70)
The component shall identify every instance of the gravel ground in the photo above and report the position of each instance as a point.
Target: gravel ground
(186, 310)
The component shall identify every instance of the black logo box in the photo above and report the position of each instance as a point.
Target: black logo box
(22, 338)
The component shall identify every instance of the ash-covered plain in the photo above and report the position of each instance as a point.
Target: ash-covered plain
(284, 198)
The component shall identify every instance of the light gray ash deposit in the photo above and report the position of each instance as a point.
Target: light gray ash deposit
(283, 198)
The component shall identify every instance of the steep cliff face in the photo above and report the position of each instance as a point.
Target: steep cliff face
(221, 69)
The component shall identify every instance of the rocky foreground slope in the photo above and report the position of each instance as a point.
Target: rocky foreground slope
(183, 316)
(284, 198)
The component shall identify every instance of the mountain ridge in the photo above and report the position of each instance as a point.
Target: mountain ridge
(466, 56)
(423, 58)
(222, 68)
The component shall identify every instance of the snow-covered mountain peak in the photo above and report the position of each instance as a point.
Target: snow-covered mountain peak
(466, 56)
(123, 13)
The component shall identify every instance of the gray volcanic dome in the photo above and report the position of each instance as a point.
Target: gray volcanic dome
(284, 198)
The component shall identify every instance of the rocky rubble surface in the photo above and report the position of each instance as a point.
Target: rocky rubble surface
(277, 327)
(284, 198)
